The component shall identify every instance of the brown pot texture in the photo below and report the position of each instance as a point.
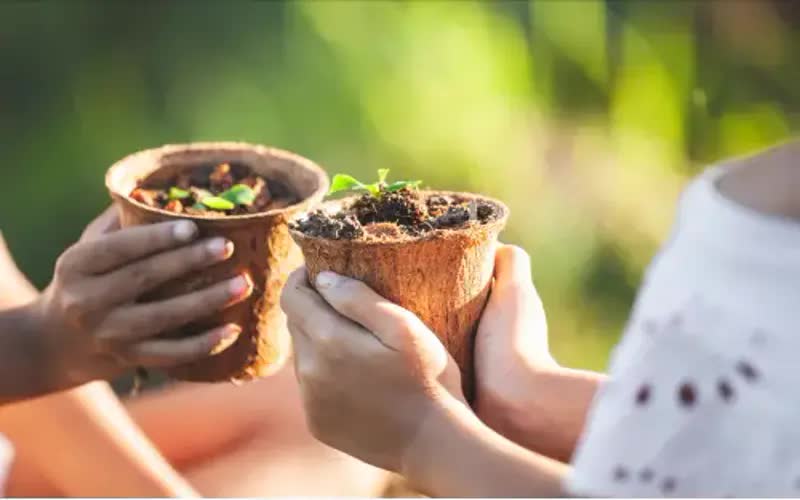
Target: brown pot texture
(262, 248)
(443, 277)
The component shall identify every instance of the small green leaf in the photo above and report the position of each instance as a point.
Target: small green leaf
(398, 185)
(344, 182)
(176, 193)
(382, 173)
(199, 206)
(240, 194)
(217, 203)
(374, 189)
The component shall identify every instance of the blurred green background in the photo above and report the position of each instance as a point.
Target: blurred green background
(585, 116)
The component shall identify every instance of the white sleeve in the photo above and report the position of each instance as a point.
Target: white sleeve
(703, 397)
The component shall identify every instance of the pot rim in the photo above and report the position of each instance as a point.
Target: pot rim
(153, 154)
(495, 225)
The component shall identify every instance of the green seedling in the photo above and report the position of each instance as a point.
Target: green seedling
(240, 194)
(176, 193)
(217, 203)
(344, 182)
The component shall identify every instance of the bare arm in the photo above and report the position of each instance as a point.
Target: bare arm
(527, 397)
(21, 373)
(551, 415)
(455, 455)
(70, 434)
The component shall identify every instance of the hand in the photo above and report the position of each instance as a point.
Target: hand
(521, 391)
(511, 342)
(370, 372)
(92, 326)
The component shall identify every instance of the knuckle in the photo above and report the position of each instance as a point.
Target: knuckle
(407, 321)
(349, 295)
(73, 305)
(64, 262)
(143, 276)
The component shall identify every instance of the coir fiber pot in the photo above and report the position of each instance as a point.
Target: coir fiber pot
(262, 247)
(444, 277)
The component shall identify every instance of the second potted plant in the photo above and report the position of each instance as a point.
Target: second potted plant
(247, 194)
(431, 252)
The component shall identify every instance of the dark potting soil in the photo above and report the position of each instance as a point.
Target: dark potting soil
(200, 183)
(407, 212)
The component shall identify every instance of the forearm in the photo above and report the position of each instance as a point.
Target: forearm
(550, 416)
(85, 427)
(96, 423)
(455, 455)
(23, 371)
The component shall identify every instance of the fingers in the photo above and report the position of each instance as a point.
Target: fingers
(514, 312)
(130, 282)
(106, 222)
(114, 250)
(314, 318)
(512, 266)
(161, 353)
(140, 321)
(392, 324)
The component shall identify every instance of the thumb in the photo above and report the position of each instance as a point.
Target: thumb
(394, 326)
(514, 314)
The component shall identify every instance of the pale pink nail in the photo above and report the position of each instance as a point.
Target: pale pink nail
(239, 285)
(327, 279)
(228, 336)
(184, 230)
(220, 248)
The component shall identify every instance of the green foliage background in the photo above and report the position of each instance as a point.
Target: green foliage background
(585, 116)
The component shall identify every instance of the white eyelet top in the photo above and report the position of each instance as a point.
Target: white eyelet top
(704, 391)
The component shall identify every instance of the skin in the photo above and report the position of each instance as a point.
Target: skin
(522, 392)
(403, 410)
(87, 325)
(99, 427)
(169, 443)
(409, 415)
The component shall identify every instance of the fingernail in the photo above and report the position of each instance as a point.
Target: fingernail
(240, 285)
(184, 230)
(220, 248)
(228, 336)
(327, 279)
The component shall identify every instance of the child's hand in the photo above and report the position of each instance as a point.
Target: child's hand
(370, 372)
(511, 343)
(522, 392)
(93, 327)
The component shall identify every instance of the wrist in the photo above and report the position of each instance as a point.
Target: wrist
(444, 428)
(47, 342)
(508, 407)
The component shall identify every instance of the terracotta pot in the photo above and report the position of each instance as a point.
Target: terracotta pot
(262, 244)
(444, 276)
